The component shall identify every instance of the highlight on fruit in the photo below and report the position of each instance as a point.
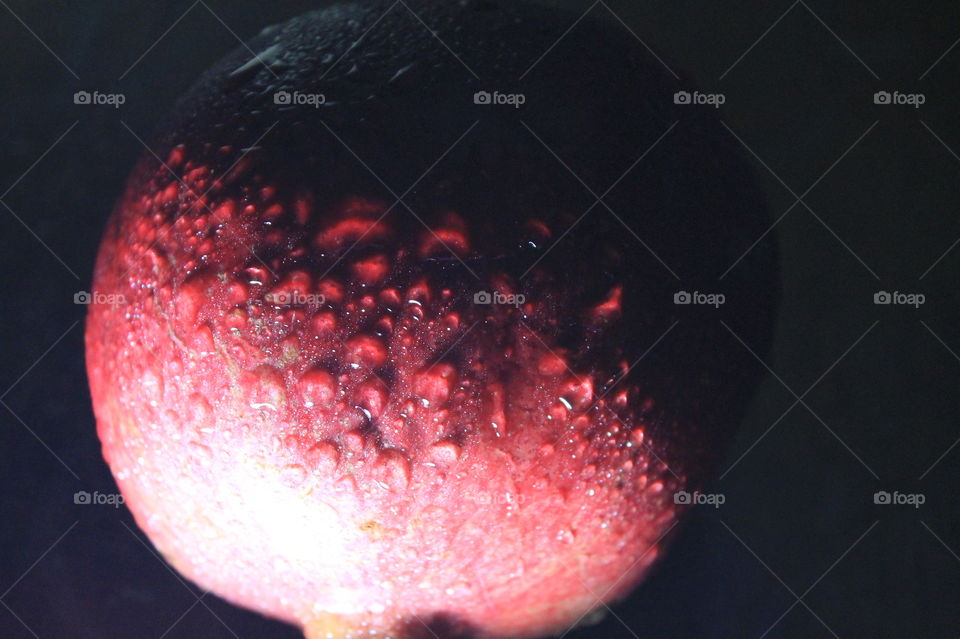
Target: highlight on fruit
(401, 352)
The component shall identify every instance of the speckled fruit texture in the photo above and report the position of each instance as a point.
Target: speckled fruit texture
(305, 399)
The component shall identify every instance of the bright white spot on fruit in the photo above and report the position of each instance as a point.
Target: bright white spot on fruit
(267, 56)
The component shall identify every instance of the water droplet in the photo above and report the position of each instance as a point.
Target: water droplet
(353, 442)
(200, 410)
(323, 324)
(331, 290)
(551, 364)
(450, 323)
(365, 351)
(201, 454)
(371, 270)
(393, 468)
(257, 275)
(317, 388)
(293, 475)
(324, 457)
(610, 308)
(578, 393)
(372, 397)
(445, 451)
(435, 383)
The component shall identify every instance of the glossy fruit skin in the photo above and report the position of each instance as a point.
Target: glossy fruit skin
(303, 403)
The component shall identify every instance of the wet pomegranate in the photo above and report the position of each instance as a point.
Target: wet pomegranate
(399, 350)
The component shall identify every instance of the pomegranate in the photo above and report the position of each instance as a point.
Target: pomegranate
(398, 350)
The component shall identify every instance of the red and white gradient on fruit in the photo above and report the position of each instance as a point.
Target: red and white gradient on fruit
(309, 413)
(335, 463)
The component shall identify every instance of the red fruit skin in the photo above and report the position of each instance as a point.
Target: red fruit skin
(395, 453)
(304, 407)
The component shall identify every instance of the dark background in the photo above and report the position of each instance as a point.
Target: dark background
(882, 213)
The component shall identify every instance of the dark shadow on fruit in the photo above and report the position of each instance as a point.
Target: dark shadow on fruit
(559, 419)
(438, 625)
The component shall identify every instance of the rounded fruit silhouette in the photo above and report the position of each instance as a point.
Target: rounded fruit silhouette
(399, 350)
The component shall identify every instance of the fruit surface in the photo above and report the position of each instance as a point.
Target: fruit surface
(385, 360)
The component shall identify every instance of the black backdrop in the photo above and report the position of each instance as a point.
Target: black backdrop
(799, 549)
